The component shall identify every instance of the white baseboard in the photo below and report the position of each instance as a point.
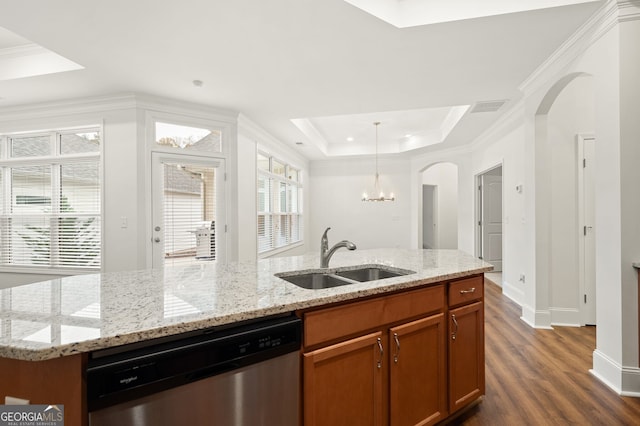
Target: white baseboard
(514, 293)
(536, 319)
(565, 317)
(624, 381)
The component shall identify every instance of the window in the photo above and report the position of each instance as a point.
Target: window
(188, 138)
(279, 204)
(50, 213)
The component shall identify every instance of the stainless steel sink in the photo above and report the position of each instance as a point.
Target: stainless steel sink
(316, 280)
(369, 274)
(342, 276)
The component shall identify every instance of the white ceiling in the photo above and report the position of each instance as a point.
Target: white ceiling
(312, 61)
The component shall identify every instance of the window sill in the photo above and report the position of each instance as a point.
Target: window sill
(279, 250)
(62, 272)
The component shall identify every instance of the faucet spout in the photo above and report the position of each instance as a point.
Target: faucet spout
(326, 252)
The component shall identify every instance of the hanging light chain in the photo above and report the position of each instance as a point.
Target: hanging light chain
(378, 194)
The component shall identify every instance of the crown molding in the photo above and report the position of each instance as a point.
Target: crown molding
(173, 106)
(69, 106)
(261, 137)
(603, 20)
(122, 101)
(512, 117)
(629, 10)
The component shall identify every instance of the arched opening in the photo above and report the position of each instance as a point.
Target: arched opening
(439, 206)
(564, 134)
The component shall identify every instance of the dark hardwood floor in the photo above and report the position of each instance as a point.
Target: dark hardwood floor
(541, 377)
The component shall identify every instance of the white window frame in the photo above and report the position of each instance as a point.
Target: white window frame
(274, 247)
(55, 158)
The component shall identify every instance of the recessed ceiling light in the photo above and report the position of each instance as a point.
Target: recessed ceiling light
(350, 139)
(198, 83)
(299, 143)
(408, 135)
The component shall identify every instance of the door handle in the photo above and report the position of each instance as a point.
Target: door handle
(397, 354)
(455, 330)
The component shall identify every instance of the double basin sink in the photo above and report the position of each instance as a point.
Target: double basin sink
(342, 276)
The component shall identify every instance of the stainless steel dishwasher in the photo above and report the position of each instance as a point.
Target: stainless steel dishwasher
(242, 375)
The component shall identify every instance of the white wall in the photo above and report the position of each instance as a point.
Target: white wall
(571, 114)
(608, 52)
(507, 148)
(337, 187)
(445, 177)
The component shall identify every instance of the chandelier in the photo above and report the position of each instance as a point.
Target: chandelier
(378, 193)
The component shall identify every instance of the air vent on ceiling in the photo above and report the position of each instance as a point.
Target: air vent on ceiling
(488, 106)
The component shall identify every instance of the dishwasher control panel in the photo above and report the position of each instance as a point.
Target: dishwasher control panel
(128, 374)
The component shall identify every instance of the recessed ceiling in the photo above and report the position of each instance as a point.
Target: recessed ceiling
(411, 13)
(20, 58)
(399, 131)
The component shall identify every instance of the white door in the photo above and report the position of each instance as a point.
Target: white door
(188, 222)
(428, 216)
(588, 299)
(491, 220)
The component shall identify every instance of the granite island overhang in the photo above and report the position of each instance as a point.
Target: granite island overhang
(85, 313)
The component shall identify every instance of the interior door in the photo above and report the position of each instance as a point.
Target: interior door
(429, 240)
(589, 245)
(491, 220)
(188, 221)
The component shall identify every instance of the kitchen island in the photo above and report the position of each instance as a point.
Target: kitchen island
(48, 329)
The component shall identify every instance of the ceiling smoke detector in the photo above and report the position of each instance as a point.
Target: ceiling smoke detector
(487, 106)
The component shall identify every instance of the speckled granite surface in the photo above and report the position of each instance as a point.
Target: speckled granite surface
(89, 312)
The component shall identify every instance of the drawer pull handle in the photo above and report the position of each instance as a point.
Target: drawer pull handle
(455, 330)
(381, 353)
(471, 290)
(397, 354)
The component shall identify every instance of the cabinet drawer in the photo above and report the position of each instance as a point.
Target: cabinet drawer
(340, 321)
(465, 291)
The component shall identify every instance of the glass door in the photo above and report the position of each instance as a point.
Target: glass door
(188, 209)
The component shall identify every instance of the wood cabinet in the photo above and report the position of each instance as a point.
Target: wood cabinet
(343, 383)
(466, 343)
(417, 372)
(394, 374)
(405, 359)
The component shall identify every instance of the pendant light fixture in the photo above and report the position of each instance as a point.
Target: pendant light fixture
(378, 193)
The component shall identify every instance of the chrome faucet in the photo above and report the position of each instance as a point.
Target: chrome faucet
(326, 253)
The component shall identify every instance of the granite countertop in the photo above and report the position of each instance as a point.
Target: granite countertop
(84, 313)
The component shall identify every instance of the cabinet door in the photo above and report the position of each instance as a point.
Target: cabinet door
(418, 372)
(343, 383)
(466, 355)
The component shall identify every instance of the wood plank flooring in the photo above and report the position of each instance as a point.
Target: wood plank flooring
(541, 377)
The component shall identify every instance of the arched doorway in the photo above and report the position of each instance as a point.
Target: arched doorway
(564, 239)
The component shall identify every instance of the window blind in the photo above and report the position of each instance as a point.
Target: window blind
(279, 203)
